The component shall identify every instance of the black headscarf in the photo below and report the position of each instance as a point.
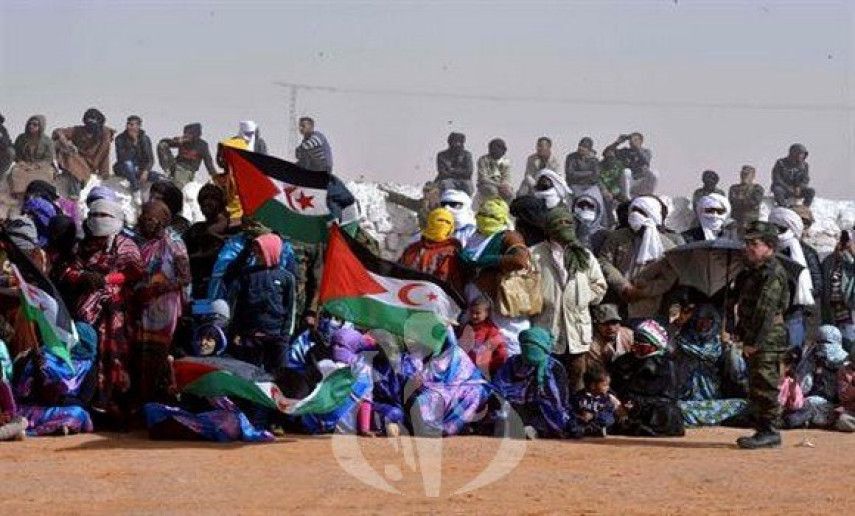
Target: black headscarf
(43, 189)
(171, 195)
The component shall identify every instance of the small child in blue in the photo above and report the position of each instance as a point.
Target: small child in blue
(593, 408)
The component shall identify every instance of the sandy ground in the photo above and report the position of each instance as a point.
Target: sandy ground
(702, 473)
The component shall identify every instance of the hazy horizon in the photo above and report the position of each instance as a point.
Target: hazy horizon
(710, 84)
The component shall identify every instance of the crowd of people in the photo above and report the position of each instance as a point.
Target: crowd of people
(576, 322)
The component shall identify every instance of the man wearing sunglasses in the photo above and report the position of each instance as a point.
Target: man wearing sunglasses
(713, 212)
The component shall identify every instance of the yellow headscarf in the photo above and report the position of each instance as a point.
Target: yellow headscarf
(493, 216)
(439, 226)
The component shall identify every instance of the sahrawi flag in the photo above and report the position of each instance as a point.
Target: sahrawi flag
(288, 199)
(41, 304)
(371, 292)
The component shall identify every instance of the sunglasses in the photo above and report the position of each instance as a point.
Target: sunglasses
(719, 211)
(449, 204)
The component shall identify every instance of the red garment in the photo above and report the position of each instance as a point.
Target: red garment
(440, 259)
(106, 310)
(485, 345)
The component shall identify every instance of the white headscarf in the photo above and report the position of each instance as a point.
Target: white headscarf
(110, 219)
(559, 192)
(712, 223)
(789, 240)
(464, 217)
(248, 127)
(651, 247)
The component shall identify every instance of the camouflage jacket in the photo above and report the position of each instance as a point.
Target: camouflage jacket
(763, 297)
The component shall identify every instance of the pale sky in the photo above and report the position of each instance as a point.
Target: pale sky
(710, 84)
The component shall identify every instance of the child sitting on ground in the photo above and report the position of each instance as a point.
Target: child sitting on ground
(594, 406)
(481, 339)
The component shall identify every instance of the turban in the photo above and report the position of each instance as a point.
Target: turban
(712, 223)
(105, 218)
(463, 216)
(651, 332)
(22, 232)
(555, 195)
(793, 226)
(651, 247)
(493, 216)
(271, 249)
(439, 225)
(536, 345)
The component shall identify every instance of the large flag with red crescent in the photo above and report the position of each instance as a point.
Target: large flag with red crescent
(375, 293)
(288, 199)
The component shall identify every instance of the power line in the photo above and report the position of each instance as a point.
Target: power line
(757, 106)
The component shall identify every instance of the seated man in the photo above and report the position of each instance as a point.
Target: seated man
(637, 159)
(34, 155)
(710, 180)
(611, 340)
(134, 157)
(542, 158)
(790, 178)
(454, 165)
(745, 198)
(534, 385)
(192, 151)
(494, 172)
(581, 168)
(84, 150)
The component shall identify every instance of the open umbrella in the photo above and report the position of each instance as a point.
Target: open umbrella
(706, 265)
(710, 265)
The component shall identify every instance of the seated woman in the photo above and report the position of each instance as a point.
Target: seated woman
(434, 392)
(699, 363)
(643, 381)
(352, 413)
(493, 251)
(817, 374)
(535, 386)
(53, 395)
(437, 252)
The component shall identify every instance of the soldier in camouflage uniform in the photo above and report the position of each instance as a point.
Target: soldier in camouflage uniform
(763, 296)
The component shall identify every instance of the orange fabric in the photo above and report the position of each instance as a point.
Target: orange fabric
(441, 259)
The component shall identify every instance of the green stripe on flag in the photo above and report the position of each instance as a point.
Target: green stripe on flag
(328, 395)
(423, 325)
(50, 340)
(224, 383)
(303, 228)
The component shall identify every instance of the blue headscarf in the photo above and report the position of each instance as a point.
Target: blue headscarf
(41, 212)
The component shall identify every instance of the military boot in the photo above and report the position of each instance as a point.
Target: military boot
(765, 438)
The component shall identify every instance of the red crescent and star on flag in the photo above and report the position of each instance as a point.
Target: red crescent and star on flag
(406, 292)
(304, 201)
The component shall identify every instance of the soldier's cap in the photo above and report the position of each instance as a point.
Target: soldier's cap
(605, 314)
(760, 230)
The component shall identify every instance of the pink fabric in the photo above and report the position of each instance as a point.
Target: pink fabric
(790, 395)
(7, 401)
(271, 249)
(363, 417)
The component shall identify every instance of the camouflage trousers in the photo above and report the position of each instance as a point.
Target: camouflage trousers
(310, 265)
(764, 369)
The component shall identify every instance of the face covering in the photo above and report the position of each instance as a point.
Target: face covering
(550, 197)
(555, 195)
(535, 345)
(111, 219)
(463, 215)
(650, 248)
(712, 222)
(585, 214)
(439, 226)
(789, 241)
(492, 217)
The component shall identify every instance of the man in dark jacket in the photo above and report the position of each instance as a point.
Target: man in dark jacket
(790, 178)
(7, 151)
(454, 165)
(134, 157)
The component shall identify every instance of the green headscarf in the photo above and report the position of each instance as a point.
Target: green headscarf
(560, 228)
(493, 216)
(536, 344)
